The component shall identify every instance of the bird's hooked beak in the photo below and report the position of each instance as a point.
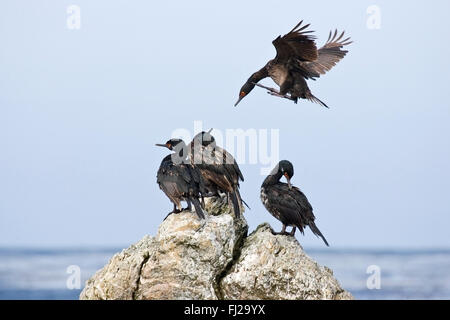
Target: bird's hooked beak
(241, 96)
(165, 145)
(288, 180)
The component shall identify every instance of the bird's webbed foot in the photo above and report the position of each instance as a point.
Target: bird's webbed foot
(283, 232)
(175, 211)
(284, 96)
(275, 92)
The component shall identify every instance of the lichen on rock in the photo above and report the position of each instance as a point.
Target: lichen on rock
(276, 267)
(213, 258)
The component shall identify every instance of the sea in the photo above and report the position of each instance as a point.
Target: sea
(60, 274)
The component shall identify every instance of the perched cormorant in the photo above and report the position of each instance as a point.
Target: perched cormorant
(179, 180)
(219, 169)
(286, 202)
(297, 60)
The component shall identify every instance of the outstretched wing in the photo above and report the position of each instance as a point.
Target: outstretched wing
(298, 44)
(328, 56)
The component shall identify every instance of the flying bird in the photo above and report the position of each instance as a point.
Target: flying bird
(296, 61)
(286, 202)
(179, 180)
(218, 168)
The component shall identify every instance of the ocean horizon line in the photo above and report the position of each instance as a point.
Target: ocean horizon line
(117, 248)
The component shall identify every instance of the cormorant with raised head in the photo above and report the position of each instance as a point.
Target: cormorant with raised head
(179, 180)
(286, 202)
(297, 60)
(219, 169)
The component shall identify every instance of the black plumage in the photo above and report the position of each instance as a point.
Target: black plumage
(179, 180)
(297, 60)
(286, 202)
(218, 168)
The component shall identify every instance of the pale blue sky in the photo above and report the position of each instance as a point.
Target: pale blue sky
(81, 110)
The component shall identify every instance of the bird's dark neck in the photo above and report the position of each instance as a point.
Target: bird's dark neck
(259, 75)
(272, 179)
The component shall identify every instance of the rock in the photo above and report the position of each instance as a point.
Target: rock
(119, 279)
(213, 259)
(183, 261)
(276, 267)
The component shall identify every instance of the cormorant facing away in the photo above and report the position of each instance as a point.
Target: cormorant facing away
(297, 60)
(286, 202)
(218, 168)
(179, 180)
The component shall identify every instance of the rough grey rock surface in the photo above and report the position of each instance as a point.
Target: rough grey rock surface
(276, 267)
(213, 259)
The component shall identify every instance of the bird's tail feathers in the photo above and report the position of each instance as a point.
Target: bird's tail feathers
(242, 200)
(198, 208)
(317, 232)
(313, 98)
(235, 201)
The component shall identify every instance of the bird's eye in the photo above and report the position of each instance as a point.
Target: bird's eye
(242, 94)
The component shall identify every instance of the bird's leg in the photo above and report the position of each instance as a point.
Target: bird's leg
(267, 88)
(293, 231)
(203, 202)
(189, 205)
(279, 95)
(274, 92)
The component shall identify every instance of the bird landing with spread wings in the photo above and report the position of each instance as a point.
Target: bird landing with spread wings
(298, 60)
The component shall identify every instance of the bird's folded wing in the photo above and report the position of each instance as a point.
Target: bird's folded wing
(184, 172)
(230, 163)
(282, 202)
(301, 200)
(292, 202)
